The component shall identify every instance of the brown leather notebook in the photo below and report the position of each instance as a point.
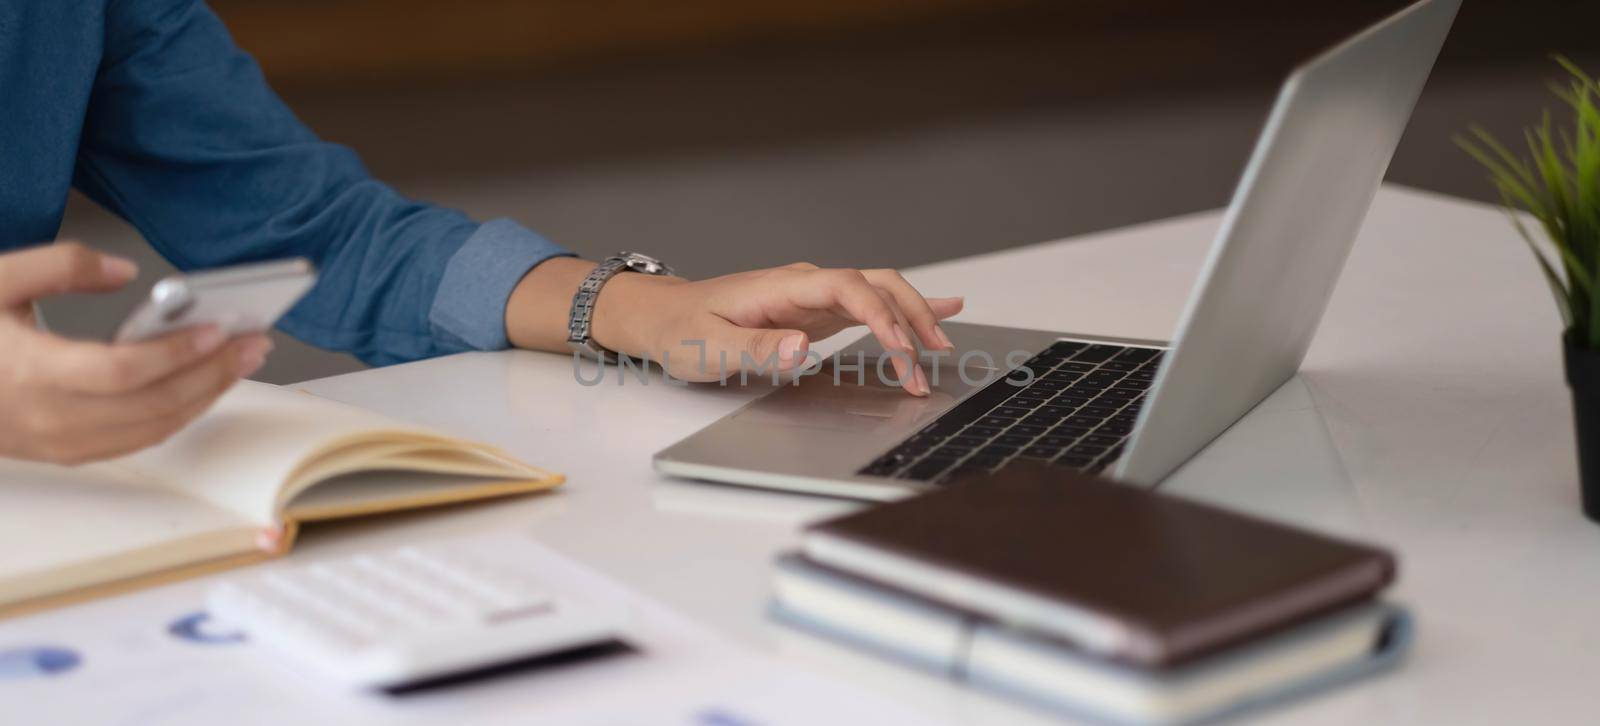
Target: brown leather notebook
(1120, 571)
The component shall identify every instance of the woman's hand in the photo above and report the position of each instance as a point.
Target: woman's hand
(68, 401)
(767, 317)
(763, 317)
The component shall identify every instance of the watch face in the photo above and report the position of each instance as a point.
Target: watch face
(644, 263)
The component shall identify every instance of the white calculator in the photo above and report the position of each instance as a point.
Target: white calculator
(415, 614)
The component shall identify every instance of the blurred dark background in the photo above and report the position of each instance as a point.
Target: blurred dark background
(728, 134)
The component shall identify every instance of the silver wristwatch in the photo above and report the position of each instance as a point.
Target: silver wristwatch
(580, 320)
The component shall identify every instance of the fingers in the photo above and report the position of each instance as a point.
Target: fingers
(819, 302)
(197, 384)
(946, 307)
(887, 304)
(861, 301)
(201, 384)
(849, 293)
(913, 306)
(110, 369)
(132, 437)
(123, 440)
(58, 268)
(107, 426)
(918, 383)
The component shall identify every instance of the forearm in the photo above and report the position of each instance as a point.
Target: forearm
(539, 307)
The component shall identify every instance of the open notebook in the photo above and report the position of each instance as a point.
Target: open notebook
(228, 490)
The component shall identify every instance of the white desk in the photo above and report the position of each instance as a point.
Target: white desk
(1434, 388)
(1431, 416)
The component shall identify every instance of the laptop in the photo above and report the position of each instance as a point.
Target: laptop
(1132, 409)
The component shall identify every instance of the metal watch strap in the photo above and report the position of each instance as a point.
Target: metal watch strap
(580, 320)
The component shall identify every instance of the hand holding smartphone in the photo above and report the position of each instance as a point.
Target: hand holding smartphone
(238, 300)
(70, 398)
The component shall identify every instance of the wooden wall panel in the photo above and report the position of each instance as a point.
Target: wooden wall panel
(330, 41)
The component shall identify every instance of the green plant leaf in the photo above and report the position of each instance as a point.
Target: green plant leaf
(1503, 175)
(1557, 184)
(1523, 172)
(1573, 68)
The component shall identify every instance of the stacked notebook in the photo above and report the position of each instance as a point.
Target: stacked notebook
(1095, 598)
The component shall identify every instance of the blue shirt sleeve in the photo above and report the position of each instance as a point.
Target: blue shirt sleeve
(185, 140)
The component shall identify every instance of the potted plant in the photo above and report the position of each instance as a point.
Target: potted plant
(1558, 183)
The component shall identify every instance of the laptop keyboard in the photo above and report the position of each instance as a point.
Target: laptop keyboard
(1078, 411)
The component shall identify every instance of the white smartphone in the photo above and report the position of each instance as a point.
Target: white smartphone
(242, 299)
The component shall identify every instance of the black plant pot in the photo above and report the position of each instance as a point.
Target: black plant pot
(1583, 375)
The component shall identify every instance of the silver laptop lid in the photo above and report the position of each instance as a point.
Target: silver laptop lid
(1285, 237)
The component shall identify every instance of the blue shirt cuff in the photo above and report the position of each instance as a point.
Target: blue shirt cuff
(469, 308)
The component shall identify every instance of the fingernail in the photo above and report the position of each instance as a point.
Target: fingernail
(209, 338)
(249, 363)
(944, 339)
(117, 268)
(900, 335)
(922, 388)
(790, 348)
(956, 299)
(253, 355)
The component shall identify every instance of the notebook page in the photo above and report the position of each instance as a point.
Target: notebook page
(58, 519)
(238, 455)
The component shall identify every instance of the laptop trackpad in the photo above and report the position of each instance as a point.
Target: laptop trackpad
(872, 407)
